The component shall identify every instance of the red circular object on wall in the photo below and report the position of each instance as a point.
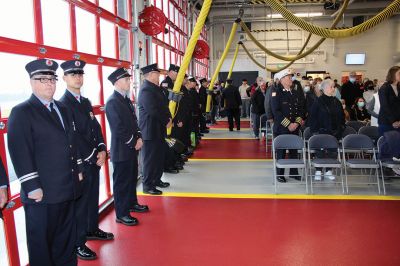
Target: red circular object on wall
(152, 21)
(201, 50)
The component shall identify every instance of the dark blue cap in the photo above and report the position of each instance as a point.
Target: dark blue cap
(150, 68)
(41, 67)
(73, 66)
(203, 80)
(192, 80)
(118, 74)
(173, 67)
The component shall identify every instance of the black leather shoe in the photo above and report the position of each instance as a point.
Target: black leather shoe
(127, 220)
(99, 234)
(281, 179)
(171, 170)
(205, 131)
(152, 191)
(163, 184)
(179, 166)
(85, 253)
(139, 208)
(297, 177)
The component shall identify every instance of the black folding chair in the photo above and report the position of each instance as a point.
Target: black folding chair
(355, 124)
(386, 163)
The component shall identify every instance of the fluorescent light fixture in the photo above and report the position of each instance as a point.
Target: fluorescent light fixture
(300, 15)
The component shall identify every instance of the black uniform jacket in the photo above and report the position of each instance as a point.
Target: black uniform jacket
(44, 154)
(390, 105)
(124, 127)
(230, 98)
(166, 85)
(287, 107)
(88, 128)
(203, 98)
(154, 114)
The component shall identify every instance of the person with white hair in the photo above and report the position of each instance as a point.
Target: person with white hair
(327, 117)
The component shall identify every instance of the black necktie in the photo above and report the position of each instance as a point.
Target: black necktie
(129, 103)
(55, 115)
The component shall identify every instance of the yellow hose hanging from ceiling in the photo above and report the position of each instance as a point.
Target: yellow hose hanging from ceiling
(300, 55)
(328, 33)
(188, 54)
(221, 61)
(233, 63)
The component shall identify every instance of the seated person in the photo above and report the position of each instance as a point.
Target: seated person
(359, 112)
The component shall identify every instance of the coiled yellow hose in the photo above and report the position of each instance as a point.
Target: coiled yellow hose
(300, 55)
(221, 61)
(188, 54)
(328, 33)
(233, 63)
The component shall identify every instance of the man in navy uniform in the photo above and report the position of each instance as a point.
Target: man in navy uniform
(126, 141)
(93, 152)
(3, 187)
(288, 112)
(203, 104)
(154, 117)
(232, 101)
(42, 142)
(168, 83)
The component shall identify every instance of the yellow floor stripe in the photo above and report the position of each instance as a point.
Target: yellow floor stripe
(230, 160)
(227, 130)
(228, 138)
(276, 196)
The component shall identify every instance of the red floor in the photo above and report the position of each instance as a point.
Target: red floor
(224, 124)
(204, 231)
(231, 149)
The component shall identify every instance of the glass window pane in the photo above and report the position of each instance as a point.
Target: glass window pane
(91, 84)
(56, 23)
(154, 53)
(107, 4)
(25, 28)
(161, 57)
(107, 38)
(108, 87)
(122, 9)
(124, 53)
(167, 58)
(86, 31)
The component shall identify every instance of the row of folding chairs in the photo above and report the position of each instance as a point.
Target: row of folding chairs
(355, 152)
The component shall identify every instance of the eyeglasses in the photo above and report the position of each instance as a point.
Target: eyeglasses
(46, 80)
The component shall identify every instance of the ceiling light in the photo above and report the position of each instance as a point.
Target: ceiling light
(300, 15)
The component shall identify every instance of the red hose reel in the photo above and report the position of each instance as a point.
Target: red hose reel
(201, 50)
(152, 21)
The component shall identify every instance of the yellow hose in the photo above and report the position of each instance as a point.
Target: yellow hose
(221, 61)
(300, 55)
(188, 54)
(328, 33)
(233, 63)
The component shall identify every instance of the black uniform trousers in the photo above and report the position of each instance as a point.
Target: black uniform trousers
(154, 153)
(233, 113)
(124, 185)
(203, 122)
(51, 232)
(87, 206)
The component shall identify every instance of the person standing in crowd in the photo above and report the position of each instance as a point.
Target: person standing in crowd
(215, 101)
(126, 141)
(203, 104)
(42, 142)
(257, 108)
(359, 112)
(369, 91)
(389, 97)
(346, 110)
(327, 117)
(288, 116)
(154, 118)
(168, 83)
(196, 111)
(311, 95)
(245, 95)
(93, 152)
(3, 187)
(373, 107)
(351, 90)
(232, 101)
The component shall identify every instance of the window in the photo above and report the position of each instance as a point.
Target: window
(86, 31)
(24, 16)
(107, 38)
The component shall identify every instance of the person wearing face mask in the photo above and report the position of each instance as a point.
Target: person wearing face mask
(327, 117)
(351, 90)
(359, 112)
(311, 94)
(389, 97)
(257, 108)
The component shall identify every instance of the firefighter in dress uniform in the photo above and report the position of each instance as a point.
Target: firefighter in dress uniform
(126, 141)
(288, 112)
(154, 118)
(93, 152)
(42, 142)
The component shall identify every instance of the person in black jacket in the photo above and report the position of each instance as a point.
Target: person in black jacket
(203, 104)
(288, 112)
(359, 112)
(154, 118)
(389, 97)
(351, 90)
(196, 107)
(3, 187)
(43, 147)
(93, 151)
(327, 117)
(257, 108)
(126, 141)
(232, 101)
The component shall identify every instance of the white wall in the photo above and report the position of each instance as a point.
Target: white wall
(381, 45)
